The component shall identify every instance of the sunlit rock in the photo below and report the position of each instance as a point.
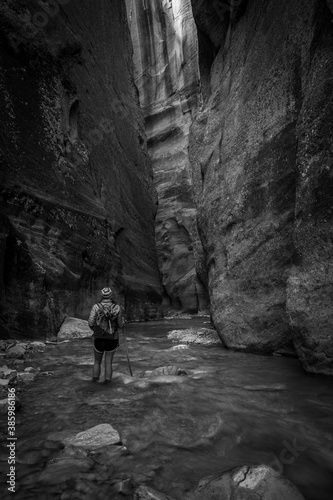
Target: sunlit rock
(74, 328)
(164, 370)
(256, 482)
(95, 437)
(164, 39)
(198, 336)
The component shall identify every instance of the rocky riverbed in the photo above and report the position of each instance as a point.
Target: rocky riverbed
(181, 428)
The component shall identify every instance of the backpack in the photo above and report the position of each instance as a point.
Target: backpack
(105, 318)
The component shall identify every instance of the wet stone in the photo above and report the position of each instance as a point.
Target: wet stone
(147, 493)
(65, 468)
(124, 487)
(258, 482)
(17, 351)
(111, 454)
(197, 336)
(74, 328)
(25, 377)
(95, 437)
(164, 370)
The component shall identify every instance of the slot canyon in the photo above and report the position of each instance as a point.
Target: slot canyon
(179, 152)
(213, 133)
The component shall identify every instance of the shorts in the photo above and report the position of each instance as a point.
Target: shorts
(101, 345)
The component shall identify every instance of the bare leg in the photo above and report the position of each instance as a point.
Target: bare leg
(97, 365)
(108, 365)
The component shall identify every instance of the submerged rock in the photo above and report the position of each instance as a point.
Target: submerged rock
(26, 377)
(257, 482)
(74, 328)
(147, 493)
(164, 370)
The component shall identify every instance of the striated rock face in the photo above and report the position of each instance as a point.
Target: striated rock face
(261, 153)
(166, 74)
(77, 199)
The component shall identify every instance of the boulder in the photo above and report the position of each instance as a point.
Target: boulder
(4, 382)
(74, 328)
(3, 370)
(147, 493)
(95, 437)
(31, 369)
(16, 351)
(198, 336)
(25, 377)
(258, 482)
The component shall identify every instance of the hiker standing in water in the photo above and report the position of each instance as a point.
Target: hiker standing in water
(105, 318)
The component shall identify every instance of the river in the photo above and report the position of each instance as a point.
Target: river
(232, 409)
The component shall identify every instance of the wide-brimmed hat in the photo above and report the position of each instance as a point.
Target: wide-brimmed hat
(106, 293)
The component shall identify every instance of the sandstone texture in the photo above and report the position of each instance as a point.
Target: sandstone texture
(254, 483)
(77, 200)
(261, 155)
(74, 328)
(166, 73)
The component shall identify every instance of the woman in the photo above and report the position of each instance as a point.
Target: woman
(105, 318)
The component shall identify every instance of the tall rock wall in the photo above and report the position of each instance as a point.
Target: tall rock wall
(166, 74)
(77, 200)
(261, 150)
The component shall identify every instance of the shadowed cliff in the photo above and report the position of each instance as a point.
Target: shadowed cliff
(261, 153)
(77, 199)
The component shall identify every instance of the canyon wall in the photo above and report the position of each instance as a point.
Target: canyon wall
(261, 153)
(77, 200)
(167, 77)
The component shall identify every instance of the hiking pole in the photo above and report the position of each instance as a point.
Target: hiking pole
(126, 348)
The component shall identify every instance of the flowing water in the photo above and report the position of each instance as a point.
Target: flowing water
(232, 409)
